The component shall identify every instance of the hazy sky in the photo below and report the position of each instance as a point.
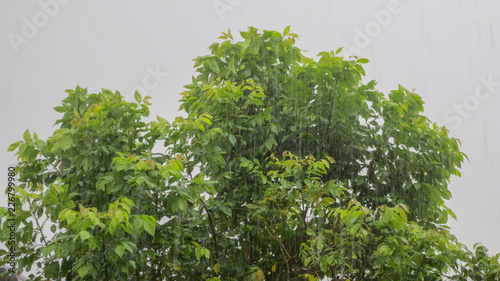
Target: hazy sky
(448, 51)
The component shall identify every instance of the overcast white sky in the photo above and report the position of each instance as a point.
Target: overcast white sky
(448, 51)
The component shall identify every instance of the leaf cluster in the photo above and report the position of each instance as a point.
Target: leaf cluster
(285, 168)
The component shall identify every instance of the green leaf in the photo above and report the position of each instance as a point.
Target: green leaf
(198, 253)
(206, 253)
(206, 120)
(129, 246)
(307, 261)
(232, 139)
(226, 210)
(13, 146)
(162, 120)
(199, 179)
(360, 69)
(137, 97)
(244, 35)
(179, 203)
(83, 270)
(120, 250)
(286, 31)
(397, 96)
(27, 135)
(269, 143)
(210, 189)
(308, 182)
(232, 65)
(60, 109)
(84, 235)
(214, 66)
(47, 250)
(149, 224)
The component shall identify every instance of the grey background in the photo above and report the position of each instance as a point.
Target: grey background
(445, 50)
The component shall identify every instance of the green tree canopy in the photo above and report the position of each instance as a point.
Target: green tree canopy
(285, 168)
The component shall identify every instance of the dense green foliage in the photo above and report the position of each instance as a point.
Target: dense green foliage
(285, 168)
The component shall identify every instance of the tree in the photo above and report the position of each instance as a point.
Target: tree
(285, 168)
(102, 191)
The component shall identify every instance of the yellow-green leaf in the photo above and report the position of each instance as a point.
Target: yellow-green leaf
(13, 146)
(27, 135)
(216, 268)
(307, 261)
(260, 275)
(286, 31)
(84, 235)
